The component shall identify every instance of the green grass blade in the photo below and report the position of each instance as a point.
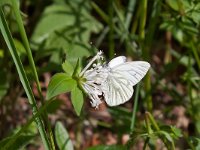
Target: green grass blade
(22, 75)
(32, 64)
(131, 8)
(26, 44)
(135, 107)
(195, 53)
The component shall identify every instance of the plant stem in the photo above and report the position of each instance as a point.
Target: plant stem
(145, 52)
(147, 119)
(135, 108)
(103, 15)
(195, 53)
(153, 122)
(148, 130)
(189, 67)
(131, 8)
(22, 75)
(26, 44)
(143, 17)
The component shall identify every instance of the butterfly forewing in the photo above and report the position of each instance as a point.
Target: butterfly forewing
(117, 61)
(132, 71)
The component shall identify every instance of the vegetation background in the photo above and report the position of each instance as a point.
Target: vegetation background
(38, 36)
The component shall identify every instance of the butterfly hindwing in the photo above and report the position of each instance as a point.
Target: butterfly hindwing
(117, 90)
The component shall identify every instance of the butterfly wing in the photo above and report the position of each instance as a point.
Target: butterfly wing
(118, 86)
(117, 61)
(116, 90)
(132, 71)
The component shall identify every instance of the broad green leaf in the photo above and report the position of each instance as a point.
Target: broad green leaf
(111, 147)
(69, 34)
(68, 68)
(20, 142)
(47, 23)
(60, 83)
(77, 100)
(62, 137)
(65, 16)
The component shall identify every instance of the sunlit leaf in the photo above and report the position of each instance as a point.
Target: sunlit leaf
(77, 69)
(68, 68)
(77, 100)
(62, 137)
(60, 83)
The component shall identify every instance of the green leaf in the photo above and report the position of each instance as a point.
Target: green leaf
(53, 106)
(77, 100)
(20, 142)
(3, 2)
(62, 137)
(176, 131)
(166, 135)
(60, 83)
(68, 68)
(111, 147)
(65, 16)
(46, 25)
(195, 142)
(69, 34)
(77, 69)
(173, 4)
(19, 46)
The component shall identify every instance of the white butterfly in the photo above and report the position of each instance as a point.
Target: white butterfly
(114, 80)
(122, 76)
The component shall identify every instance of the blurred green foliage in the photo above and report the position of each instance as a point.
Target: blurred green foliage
(164, 32)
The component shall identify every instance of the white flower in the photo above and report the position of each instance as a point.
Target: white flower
(93, 79)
